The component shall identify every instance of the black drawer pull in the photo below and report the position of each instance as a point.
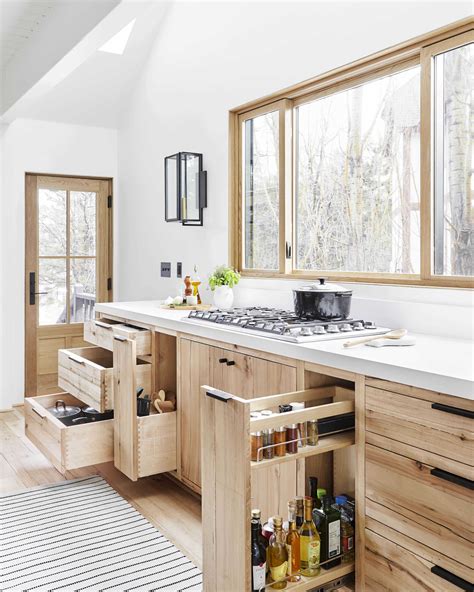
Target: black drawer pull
(230, 363)
(219, 395)
(120, 338)
(103, 325)
(77, 360)
(452, 578)
(222, 360)
(453, 410)
(462, 481)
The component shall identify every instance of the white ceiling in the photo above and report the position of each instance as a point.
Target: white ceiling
(94, 89)
(19, 21)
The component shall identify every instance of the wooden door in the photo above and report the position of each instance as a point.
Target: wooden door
(68, 262)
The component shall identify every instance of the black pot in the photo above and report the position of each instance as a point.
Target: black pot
(322, 302)
(95, 415)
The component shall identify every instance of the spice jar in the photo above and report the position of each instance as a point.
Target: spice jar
(280, 439)
(256, 442)
(292, 434)
(313, 434)
(299, 406)
(268, 440)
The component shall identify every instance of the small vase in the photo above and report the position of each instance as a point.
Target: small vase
(223, 297)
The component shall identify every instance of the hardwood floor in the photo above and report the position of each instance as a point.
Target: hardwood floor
(172, 509)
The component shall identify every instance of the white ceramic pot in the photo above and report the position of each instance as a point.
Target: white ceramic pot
(223, 297)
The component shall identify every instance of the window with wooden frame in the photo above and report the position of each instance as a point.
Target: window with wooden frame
(364, 173)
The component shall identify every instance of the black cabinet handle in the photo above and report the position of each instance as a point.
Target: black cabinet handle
(452, 578)
(222, 360)
(219, 395)
(230, 363)
(453, 410)
(73, 359)
(462, 481)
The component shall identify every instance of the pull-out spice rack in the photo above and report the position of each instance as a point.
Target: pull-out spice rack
(232, 483)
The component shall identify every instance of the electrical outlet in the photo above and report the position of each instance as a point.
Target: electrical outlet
(165, 269)
(179, 269)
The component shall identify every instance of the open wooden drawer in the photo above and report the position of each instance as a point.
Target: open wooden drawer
(67, 447)
(101, 332)
(87, 373)
(142, 445)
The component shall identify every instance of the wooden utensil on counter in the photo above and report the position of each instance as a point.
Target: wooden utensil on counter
(396, 334)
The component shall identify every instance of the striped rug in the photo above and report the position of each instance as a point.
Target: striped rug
(82, 535)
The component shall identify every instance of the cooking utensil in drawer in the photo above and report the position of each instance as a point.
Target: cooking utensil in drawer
(63, 412)
(396, 334)
(143, 406)
(97, 415)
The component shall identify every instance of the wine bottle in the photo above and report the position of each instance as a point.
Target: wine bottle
(259, 566)
(257, 515)
(277, 555)
(310, 543)
(331, 533)
(313, 487)
(299, 512)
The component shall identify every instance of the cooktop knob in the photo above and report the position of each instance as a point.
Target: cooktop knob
(333, 329)
(319, 330)
(295, 331)
(306, 331)
(357, 326)
(345, 327)
(370, 325)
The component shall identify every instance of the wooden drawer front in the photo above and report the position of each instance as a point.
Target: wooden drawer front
(67, 447)
(87, 373)
(407, 486)
(248, 376)
(101, 332)
(156, 444)
(390, 567)
(425, 424)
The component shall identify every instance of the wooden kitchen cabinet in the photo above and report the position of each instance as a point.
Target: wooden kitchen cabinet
(229, 370)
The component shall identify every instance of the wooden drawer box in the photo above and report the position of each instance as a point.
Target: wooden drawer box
(156, 435)
(439, 501)
(101, 332)
(87, 373)
(67, 447)
(445, 428)
(389, 567)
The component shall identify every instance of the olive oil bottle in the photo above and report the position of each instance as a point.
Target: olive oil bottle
(331, 533)
(277, 555)
(293, 547)
(310, 543)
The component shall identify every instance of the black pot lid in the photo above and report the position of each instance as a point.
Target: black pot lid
(322, 286)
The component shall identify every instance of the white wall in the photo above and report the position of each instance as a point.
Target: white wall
(40, 147)
(208, 58)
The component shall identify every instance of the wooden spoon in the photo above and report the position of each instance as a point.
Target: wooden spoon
(396, 334)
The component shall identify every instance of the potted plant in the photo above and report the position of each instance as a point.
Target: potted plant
(221, 283)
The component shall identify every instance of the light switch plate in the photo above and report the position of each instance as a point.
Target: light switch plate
(165, 269)
(179, 269)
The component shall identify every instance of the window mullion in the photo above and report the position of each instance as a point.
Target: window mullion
(286, 187)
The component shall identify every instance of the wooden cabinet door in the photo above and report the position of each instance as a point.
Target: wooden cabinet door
(193, 373)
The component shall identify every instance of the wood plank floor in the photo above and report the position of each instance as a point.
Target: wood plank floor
(175, 511)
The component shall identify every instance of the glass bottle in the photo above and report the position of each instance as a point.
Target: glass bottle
(196, 282)
(280, 439)
(268, 440)
(312, 432)
(310, 543)
(257, 517)
(277, 555)
(299, 511)
(313, 488)
(331, 533)
(259, 562)
(347, 532)
(293, 547)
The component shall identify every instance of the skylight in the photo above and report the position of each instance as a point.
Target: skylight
(118, 42)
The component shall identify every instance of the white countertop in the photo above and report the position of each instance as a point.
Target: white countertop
(435, 363)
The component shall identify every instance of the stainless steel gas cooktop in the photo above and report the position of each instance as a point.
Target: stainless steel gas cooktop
(284, 324)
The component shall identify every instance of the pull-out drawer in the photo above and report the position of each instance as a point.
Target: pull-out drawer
(101, 332)
(444, 429)
(390, 567)
(87, 373)
(67, 447)
(429, 500)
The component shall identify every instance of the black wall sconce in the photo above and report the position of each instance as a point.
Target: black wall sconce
(185, 188)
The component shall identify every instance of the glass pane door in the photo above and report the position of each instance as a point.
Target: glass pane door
(67, 256)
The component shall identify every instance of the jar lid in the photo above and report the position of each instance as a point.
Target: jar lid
(293, 426)
(266, 412)
(312, 421)
(257, 434)
(297, 405)
(281, 429)
(268, 431)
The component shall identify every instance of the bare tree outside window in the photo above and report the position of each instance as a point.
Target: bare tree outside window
(357, 171)
(454, 162)
(261, 196)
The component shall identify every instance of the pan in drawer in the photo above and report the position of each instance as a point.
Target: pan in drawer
(101, 332)
(87, 373)
(67, 447)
